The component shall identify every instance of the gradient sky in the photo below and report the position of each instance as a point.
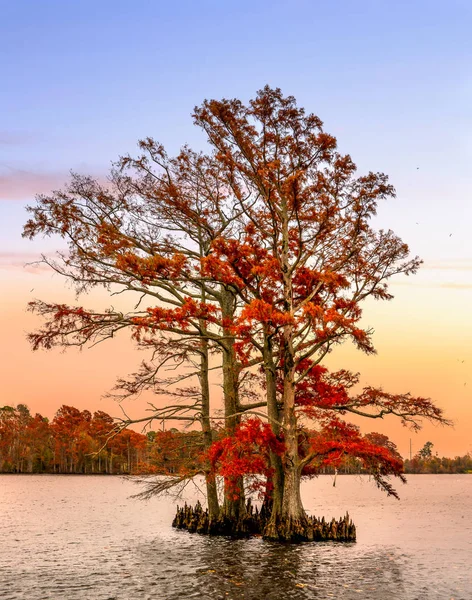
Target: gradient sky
(83, 81)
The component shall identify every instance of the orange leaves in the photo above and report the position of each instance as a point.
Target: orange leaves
(266, 269)
(409, 409)
(111, 240)
(337, 440)
(219, 270)
(73, 442)
(239, 262)
(177, 452)
(66, 325)
(324, 283)
(180, 317)
(259, 311)
(148, 269)
(261, 250)
(313, 311)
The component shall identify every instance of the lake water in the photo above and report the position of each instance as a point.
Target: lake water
(83, 537)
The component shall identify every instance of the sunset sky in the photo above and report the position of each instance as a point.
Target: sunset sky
(82, 82)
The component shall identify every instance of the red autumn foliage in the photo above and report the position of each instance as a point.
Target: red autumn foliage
(246, 452)
(337, 440)
(73, 442)
(261, 253)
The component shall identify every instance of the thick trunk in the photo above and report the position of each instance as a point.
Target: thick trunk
(212, 492)
(234, 500)
(212, 497)
(276, 494)
(292, 507)
(291, 524)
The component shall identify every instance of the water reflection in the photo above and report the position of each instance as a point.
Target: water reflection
(212, 568)
(84, 539)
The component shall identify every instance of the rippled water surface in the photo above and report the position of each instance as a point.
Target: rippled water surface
(83, 537)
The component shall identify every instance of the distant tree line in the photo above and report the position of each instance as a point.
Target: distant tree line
(425, 462)
(434, 465)
(81, 442)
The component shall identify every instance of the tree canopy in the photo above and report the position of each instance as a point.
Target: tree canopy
(256, 257)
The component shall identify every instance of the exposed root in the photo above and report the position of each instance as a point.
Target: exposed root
(258, 522)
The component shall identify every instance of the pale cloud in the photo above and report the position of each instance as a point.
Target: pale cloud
(28, 262)
(458, 264)
(432, 284)
(6, 255)
(456, 286)
(16, 184)
(22, 184)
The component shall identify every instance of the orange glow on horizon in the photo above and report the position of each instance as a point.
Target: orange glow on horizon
(417, 352)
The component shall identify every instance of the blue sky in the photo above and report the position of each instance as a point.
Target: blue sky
(83, 81)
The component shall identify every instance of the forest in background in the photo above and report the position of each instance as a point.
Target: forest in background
(83, 442)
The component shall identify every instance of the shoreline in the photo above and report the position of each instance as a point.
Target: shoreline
(162, 475)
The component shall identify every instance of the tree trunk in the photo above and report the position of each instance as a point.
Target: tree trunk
(212, 492)
(275, 501)
(292, 524)
(234, 506)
